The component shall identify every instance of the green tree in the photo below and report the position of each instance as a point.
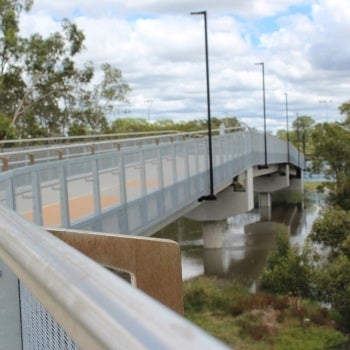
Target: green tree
(302, 127)
(165, 124)
(332, 156)
(288, 270)
(333, 282)
(11, 84)
(344, 109)
(42, 90)
(192, 125)
(125, 125)
(330, 281)
(282, 134)
(90, 105)
(331, 229)
(227, 121)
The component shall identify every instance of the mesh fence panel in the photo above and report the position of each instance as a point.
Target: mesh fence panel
(39, 330)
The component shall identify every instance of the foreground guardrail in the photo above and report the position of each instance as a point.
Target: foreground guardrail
(68, 301)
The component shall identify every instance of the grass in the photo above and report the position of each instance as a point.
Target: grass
(259, 321)
(312, 186)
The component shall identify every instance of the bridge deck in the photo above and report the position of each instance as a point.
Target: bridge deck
(133, 191)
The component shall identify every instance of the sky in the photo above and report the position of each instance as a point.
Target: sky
(160, 48)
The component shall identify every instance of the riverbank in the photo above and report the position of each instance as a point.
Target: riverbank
(259, 321)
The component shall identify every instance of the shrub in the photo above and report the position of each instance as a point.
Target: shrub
(288, 271)
(201, 294)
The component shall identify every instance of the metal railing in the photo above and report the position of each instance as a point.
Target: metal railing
(41, 150)
(133, 190)
(64, 300)
(36, 151)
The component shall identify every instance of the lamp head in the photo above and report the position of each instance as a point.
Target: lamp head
(199, 13)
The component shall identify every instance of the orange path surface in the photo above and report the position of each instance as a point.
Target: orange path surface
(82, 206)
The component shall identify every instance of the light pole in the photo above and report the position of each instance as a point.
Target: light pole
(286, 95)
(326, 108)
(149, 106)
(298, 139)
(211, 196)
(264, 108)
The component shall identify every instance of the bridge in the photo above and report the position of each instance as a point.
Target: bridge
(131, 187)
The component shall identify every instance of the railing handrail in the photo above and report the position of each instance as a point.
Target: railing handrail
(48, 141)
(67, 139)
(91, 147)
(96, 308)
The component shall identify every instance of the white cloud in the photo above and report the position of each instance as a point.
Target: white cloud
(159, 47)
(329, 49)
(245, 8)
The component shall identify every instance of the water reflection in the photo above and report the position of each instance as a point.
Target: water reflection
(247, 242)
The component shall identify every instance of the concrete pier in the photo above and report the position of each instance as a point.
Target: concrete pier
(213, 234)
(265, 206)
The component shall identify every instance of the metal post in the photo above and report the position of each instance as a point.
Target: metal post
(211, 196)
(298, 138)
(264, 108)
(326, 108)
(288, 156)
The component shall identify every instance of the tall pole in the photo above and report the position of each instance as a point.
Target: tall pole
(326, 108)
(298, 138)
(286, 95)
(211, 196)
(149, 106)
(264, 108)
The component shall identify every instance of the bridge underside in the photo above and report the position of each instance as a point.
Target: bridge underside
(238, 198)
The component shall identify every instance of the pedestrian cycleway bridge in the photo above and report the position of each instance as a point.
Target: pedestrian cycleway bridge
(64, 300)
(138, 189)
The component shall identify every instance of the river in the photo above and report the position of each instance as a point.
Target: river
(247, 241)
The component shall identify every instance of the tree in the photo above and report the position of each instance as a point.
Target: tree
(288, 270)
(331, 229)
(302, 127)
(329, 280)
(49, 77)
(128, 125)
(11, 85)
(344, 109)
(229, 122)
(332, 156)
(282, 134)
(333, 282)
(42, 90)
(165, 124)
(91, 105)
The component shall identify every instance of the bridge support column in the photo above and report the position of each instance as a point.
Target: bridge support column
(213, 262)
(265, 206)
(297, 185)
(213, 233)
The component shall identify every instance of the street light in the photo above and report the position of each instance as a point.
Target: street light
(286, 95)
(149, 106)
(298, 139)
(326, 108)
(211, 196)
(264, 107)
